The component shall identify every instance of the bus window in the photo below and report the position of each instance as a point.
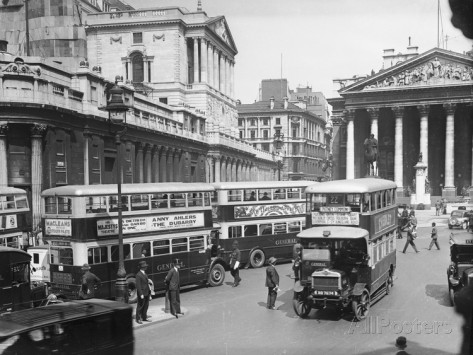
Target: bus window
(318, 200)
(114, 252)
(250, 195)
(141, 250)
(196, 243)
(234, 232)
(161, 247)
(159, 201)
(64, 205)
(11, 242)
(234, 195)
(266, 229)
(196, 200)
(97, 255)
(353, 201)
(50, 205)
(178, 200)
(113, 203)
(179, 245)
(20, 273)
(251, 230)
(335, 200)
(139, 202)
(280, 228)
(21, 202)
(294, 193)
(280, 194)
(208, 197)
(366, 202)
(294, 226)
(65, 256)
(264, 194)
(96, 204)
(373, 201)
(8, 202)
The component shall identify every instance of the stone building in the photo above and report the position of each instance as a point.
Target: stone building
(418, 108)
(175, 68)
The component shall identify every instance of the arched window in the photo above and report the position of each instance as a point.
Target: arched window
(137, 68)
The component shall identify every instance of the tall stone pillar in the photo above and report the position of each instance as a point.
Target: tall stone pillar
(210, 174)
(37, 133)
(232, 80)
(449, 186)
(221, 86)
(203, 60)
(398, 151)
(177, 165)
(162, 164)
(196, 60)
(169, 165)
(3, 155)
(227, 77)
(155, 163)
(139, 163)
(216, 69)
(86, 156)
(350, 117)
(424, 133)
(147, 170)
(210, 66)
(217, 169)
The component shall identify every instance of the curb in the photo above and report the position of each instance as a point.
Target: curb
(156, 318)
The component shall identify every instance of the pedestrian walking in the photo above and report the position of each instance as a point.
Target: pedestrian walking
(143, 294)
(413, 219)
(235, 259)
(411, 235)
(272, 283)
(437, 208)
(89, 283)
(173, 284)
(434, 236)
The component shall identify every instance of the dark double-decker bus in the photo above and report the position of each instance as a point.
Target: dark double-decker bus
(161, 222)
(15, 217)
(348, 254)
(263, 216)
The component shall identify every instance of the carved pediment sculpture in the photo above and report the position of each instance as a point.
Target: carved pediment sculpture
(20, 68)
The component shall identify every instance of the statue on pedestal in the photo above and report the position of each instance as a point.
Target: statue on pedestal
(371, 154)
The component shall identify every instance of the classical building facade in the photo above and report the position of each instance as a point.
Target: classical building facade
(176, 70)
(303, 137)
(418, 109)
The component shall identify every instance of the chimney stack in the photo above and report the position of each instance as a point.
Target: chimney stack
(286, 102)
(271, 103)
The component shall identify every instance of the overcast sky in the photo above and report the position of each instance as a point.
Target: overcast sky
(320, 40)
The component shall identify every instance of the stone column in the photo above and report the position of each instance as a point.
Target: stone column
(162, 164)
(196, 60)
(449, 186)
(37, 133)
(169, 165)
(210, 66)
(217, 169)
(227, 77)
(155, 163)
(86, 135)
(177, 165)
(210, 174)
(3, 155)
(147, 170)
(424, 132)
(203, 60)
(398, 151)
(216, 69)
(232, 79)
(221, 85)
(350, 169)
(139, 163)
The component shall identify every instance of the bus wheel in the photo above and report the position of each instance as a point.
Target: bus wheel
(257, 258)
(217, 275)
(131, 288)
(300, 305)
(361, 305)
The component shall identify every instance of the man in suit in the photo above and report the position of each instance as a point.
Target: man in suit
(172, 282)
(235, 259)
(410, 238)
(272, 282)
(143, 293)
(90, 283)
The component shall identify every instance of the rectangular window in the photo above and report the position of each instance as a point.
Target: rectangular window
(163, 100)
(264, 194)
(253, 134)
(97, 255)
(265, 121)
(280, 228)
(196, 199)
(93, 94)
(141, 250)
(161, 247)
(197, 243)
(50, 205)
(139, 202)
(234, 195)
(234, 232)
(96, 204)
(114, 252)
(280, 194)
(178, 200)
(179, 245)
(251, 230)
(138, 37)
(64, 205)
(278, 120)
(266, 228)
(294, 226)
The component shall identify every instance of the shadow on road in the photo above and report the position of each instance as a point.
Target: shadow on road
(412, 348)
(439, 293)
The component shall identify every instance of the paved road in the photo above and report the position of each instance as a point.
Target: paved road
(226, 320)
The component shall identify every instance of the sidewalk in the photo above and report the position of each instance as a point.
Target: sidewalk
(157, 312)
(426, 217)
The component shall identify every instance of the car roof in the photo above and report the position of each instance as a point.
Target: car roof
(462, 238)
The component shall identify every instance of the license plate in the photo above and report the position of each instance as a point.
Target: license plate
(326, 293)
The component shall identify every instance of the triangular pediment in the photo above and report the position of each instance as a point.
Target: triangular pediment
(220, 27)
(436, 67)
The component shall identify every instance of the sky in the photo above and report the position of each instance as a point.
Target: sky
(312, 42)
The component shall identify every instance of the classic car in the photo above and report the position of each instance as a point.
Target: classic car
(459, 218)
(460, 271)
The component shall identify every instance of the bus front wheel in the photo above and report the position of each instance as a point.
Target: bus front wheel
(300, 304)
(257, 258)
(131, 289)
(361, 305)
(217, 275)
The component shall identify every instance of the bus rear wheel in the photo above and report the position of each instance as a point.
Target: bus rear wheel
(300, 305)
(216, 275)
(257, 258)
(361, 305)
(131, 289)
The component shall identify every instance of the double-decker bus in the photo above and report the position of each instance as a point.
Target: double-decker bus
(263, 216)
(161, 222)
(14, 217)
(349, 248)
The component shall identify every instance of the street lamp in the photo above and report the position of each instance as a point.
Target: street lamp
(117, 115)
(278, 144)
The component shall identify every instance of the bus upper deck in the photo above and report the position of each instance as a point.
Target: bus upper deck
(14, 216)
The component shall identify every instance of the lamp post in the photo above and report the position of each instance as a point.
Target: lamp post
(278, 144)
(117, 115)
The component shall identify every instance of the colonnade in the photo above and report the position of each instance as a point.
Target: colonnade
(213, 66)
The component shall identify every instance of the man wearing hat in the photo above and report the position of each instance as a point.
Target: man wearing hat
(401, 344)
(272, 282)
(172, 281)
(89, 283)
(235, 259)
(143, 293)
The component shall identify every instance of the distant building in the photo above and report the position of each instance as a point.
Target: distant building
(276, 88)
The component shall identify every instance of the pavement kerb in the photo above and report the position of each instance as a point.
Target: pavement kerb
(157, 313)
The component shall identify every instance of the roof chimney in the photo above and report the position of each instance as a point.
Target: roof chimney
(199, 5)
(271, 103)
(286, 102)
